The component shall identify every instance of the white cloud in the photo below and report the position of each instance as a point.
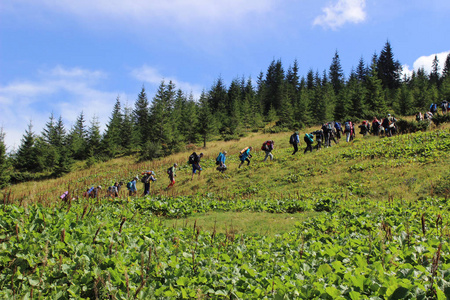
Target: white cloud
(344, 11)
(426, 62)
(63, 91)
(172, 12)
(153, 76)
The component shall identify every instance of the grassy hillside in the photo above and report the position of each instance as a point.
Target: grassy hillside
(404, 166)
(361, 220)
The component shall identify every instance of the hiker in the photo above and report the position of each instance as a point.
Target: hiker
(328, 132)
(220, 161)
(419, 117)
(131, 186)
(95, 193)
(444, 106)
(385, 124)
(433, 108)
(309, 140)
(245, 156)
(364, 128)
(348, 128)
(338, 127)
(294, 140)
(147, 178)
(428, 116)
(113, 191)
(171, 173)
(376, 125)
(319, 138)
(267, 147)
(194, 159)
(65, 196)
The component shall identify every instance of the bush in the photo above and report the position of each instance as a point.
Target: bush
(150, 151)
(439, 119)
(404, 126)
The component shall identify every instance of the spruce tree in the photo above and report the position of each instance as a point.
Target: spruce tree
(434, 75)
(274, 84)
(388, 69)
(336, 74)
(446, 69)
(206, 123)
(141, 117)
(26, 157)
(421, 90)
(405, 105)
(94, 139)
(374, 92)
(77, 138)
(112, 138)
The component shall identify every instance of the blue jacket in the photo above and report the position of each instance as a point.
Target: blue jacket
(221, 158)
(297, 139)
(245, 154)
(133, 186)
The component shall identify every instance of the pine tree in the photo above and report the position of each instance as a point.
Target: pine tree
(141, 117)
(26, 157)
(420, 88)
(206, 123)
(388, 69)
(274, 84)
(112, 138)
(94, 139)
(336, 74)
(405, 105)
(302, 114)
(5, 172)
(77, 138)
(434, 75)
(374, 92)
(446, 69)
(164, 127)
(361, 70)
(128, 131)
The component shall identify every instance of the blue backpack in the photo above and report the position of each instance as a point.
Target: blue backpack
(338, 126)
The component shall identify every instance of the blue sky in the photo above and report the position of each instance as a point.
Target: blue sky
(66, 56)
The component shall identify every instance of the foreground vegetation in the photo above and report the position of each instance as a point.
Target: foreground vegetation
(363, 220)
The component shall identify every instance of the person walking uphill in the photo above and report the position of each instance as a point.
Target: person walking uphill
(131, 186)
(267, 147)
(294, 140)
(309, 140)
(148, 176)
(220, 161)
(171, 173)
(245, 156)
(194, 159)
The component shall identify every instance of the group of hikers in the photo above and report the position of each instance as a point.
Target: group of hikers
(330, 131)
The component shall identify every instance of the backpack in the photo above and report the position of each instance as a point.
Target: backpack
(330, 126)
(338, 126)
(433, 107)
(169, 171)
(264, 146)
(308, 138)
(219, 157)
(347, 126)
(292, 139)
(192, 158)
(129, 185)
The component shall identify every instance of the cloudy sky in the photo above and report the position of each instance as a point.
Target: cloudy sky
(66, 56)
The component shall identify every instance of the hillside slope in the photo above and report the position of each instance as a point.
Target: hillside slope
(404, 166)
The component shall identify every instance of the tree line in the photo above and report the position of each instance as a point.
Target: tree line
(279, 96)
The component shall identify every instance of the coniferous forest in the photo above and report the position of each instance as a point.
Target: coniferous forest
(280, 97)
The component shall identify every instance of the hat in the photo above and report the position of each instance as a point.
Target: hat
(175, 164)
(100, 187)
(224, 152)
(389, 115)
